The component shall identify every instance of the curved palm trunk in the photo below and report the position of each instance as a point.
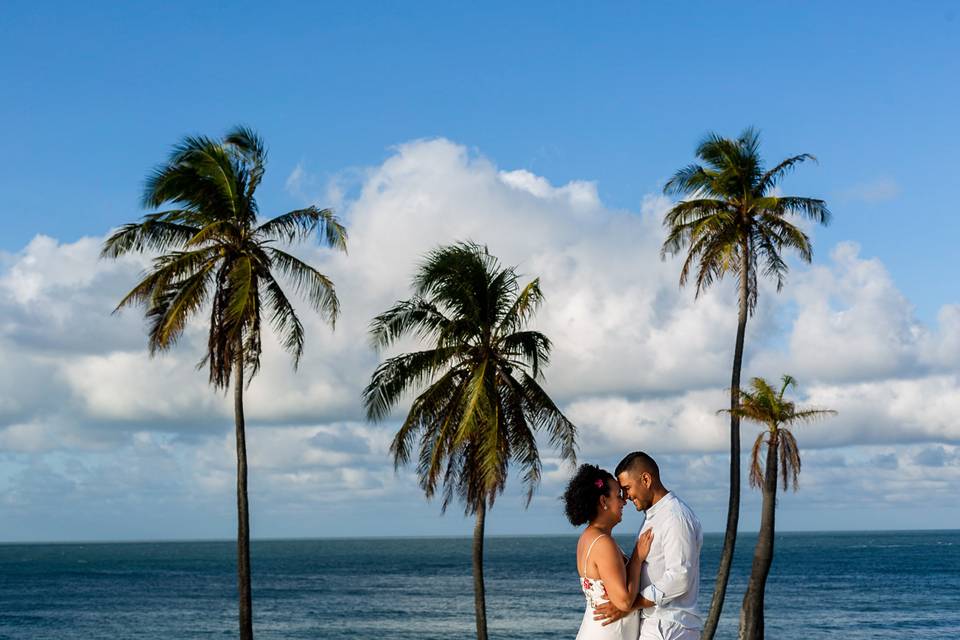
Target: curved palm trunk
(243, 514)
(751, 615)
(479, 594)
(733, 504)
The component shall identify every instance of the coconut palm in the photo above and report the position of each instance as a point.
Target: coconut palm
(768, 407)
(211, 247)
(732, 222)
(481, 402)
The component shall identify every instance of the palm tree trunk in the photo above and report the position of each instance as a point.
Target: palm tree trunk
(751, 615)
(733, 503)
(243, 514)
(479, 595)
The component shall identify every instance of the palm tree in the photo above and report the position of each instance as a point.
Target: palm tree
(212, 247)
(483, 403)
(763, 405)
(733, 223)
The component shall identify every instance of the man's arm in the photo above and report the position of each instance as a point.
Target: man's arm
(609, 613)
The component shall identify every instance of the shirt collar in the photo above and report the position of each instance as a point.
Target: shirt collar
(652, 510)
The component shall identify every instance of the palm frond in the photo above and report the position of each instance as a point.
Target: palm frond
(253, 150)
(242, 289)
(458, 277)
(691, 180)
(809, 208)
(526, 348)
(772, 177)
(416, 316)
(771, 223)
(789, 459)
(284, 319)
(154, 233)
(786, 381)
(544, 414)
(433, 415)
(477, 402)
(756, 471)
(300, 224)
(524, 305)
(223, 232)
(201, 175)
(718, 256)
(523, 442)
(811, 415)
(317, 288)
(174, 305)
(768, 251)
(397, 375)
(168, 268)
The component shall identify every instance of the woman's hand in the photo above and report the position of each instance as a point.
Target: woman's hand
(643, 544)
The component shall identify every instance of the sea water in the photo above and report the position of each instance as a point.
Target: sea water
(822, 585)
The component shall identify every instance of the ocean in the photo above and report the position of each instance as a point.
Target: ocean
(823, 585)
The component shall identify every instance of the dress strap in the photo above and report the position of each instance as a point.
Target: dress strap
(589, 549)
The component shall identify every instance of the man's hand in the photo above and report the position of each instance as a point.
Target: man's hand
(608, 613)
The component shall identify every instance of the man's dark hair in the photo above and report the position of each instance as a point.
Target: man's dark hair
(638, 462)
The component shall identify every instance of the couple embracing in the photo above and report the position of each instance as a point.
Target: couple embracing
(652, 595)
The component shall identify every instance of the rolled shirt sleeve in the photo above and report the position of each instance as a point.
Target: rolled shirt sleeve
(651, 593)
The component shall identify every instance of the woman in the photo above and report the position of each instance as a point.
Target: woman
(594, 497)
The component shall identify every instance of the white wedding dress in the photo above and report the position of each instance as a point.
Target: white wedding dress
(627, 628)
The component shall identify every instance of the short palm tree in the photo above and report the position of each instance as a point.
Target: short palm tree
(212, 248)
(768, 407)
(482, 402)
(731, 222)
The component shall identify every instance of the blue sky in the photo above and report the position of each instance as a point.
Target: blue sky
(617, 93)
(612, 95)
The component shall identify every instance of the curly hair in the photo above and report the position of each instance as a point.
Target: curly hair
(583, 493)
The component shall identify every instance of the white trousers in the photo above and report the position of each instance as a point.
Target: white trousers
(652, 629)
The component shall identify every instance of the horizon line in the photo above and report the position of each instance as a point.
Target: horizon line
(425, 537)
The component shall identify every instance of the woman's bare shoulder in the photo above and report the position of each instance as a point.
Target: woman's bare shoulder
(605, 545)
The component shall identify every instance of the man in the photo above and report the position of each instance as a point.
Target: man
(670, 577)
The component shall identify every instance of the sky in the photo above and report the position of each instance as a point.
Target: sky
(544, 130)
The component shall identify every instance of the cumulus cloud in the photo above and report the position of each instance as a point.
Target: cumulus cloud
(637, 361)
(852, 321)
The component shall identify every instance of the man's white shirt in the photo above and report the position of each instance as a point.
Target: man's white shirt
(671, 575)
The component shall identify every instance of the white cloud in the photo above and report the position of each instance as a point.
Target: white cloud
(852, 322)
(686, 422)
(578, 194)
(131, 386)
